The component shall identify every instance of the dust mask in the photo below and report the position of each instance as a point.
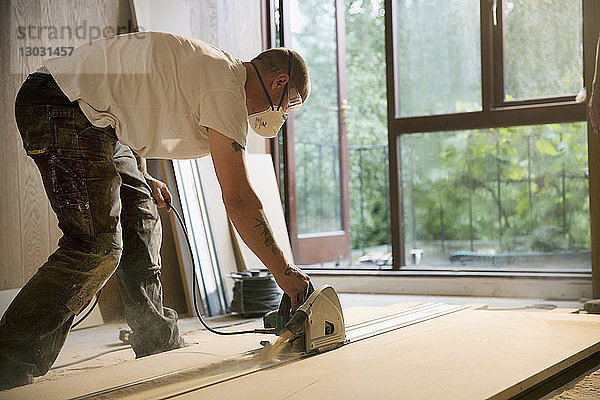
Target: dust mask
(267, 123)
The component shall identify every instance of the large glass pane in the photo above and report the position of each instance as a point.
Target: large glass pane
(497, 198)
(367, 136)
(316, 127)
(438, 67)
(543, 48)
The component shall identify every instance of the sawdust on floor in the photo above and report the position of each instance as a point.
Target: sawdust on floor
(582, 388)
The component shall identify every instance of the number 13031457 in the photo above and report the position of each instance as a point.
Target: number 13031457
(46, 51)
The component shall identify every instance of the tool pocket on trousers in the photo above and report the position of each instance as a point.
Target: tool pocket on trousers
(35, 131)
(71, 193)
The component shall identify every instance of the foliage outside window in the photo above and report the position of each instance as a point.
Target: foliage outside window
(366, 123)
(515, 196)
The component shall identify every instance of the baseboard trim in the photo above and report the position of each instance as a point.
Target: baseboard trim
(547, 286)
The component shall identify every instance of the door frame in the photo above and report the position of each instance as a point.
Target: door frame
(325, 246)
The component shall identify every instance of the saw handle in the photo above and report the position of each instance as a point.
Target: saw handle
(285, 307)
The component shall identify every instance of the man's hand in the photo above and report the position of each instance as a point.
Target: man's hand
(160, 192)
(294, 283)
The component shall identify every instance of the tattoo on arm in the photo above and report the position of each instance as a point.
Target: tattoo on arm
(237, 147)
(291, 271)
(266, 231)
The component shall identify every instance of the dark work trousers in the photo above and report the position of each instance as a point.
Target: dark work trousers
(109, 222)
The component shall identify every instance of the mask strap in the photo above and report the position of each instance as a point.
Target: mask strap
(289, 77)
(263, 86)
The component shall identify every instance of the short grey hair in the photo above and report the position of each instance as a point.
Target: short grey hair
(277, 60)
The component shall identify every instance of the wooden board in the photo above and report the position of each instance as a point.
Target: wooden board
(262, 177)
(471, 354)
(11, 269)
(85, 378)
(219, 222)
(211, 349)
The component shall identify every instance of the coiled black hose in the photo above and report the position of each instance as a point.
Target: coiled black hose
(255, 293)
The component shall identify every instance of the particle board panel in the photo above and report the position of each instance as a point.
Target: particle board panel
(181, 256)
(262, 177)
(85, 378)
(472, 354)
(211, 349)
(219, 222)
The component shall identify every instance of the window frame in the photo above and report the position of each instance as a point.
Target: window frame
(496, 112)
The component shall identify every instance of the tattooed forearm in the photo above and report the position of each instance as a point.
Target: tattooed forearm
(292, 271)
(266, 232)
(237, 147)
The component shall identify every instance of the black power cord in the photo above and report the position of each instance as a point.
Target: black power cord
(194, 283)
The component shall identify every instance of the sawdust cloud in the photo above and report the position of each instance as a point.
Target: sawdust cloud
(271, 352)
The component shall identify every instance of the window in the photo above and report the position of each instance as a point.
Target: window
(488, 133)
(477, 90)
(543, 48)
(439, 59)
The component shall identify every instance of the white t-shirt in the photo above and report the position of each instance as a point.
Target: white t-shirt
(160, 91)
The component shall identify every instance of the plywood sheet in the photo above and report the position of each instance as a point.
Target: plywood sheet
(219, 222)
(11, 268)
(262, 177)
(210, 349)
(471, 354)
